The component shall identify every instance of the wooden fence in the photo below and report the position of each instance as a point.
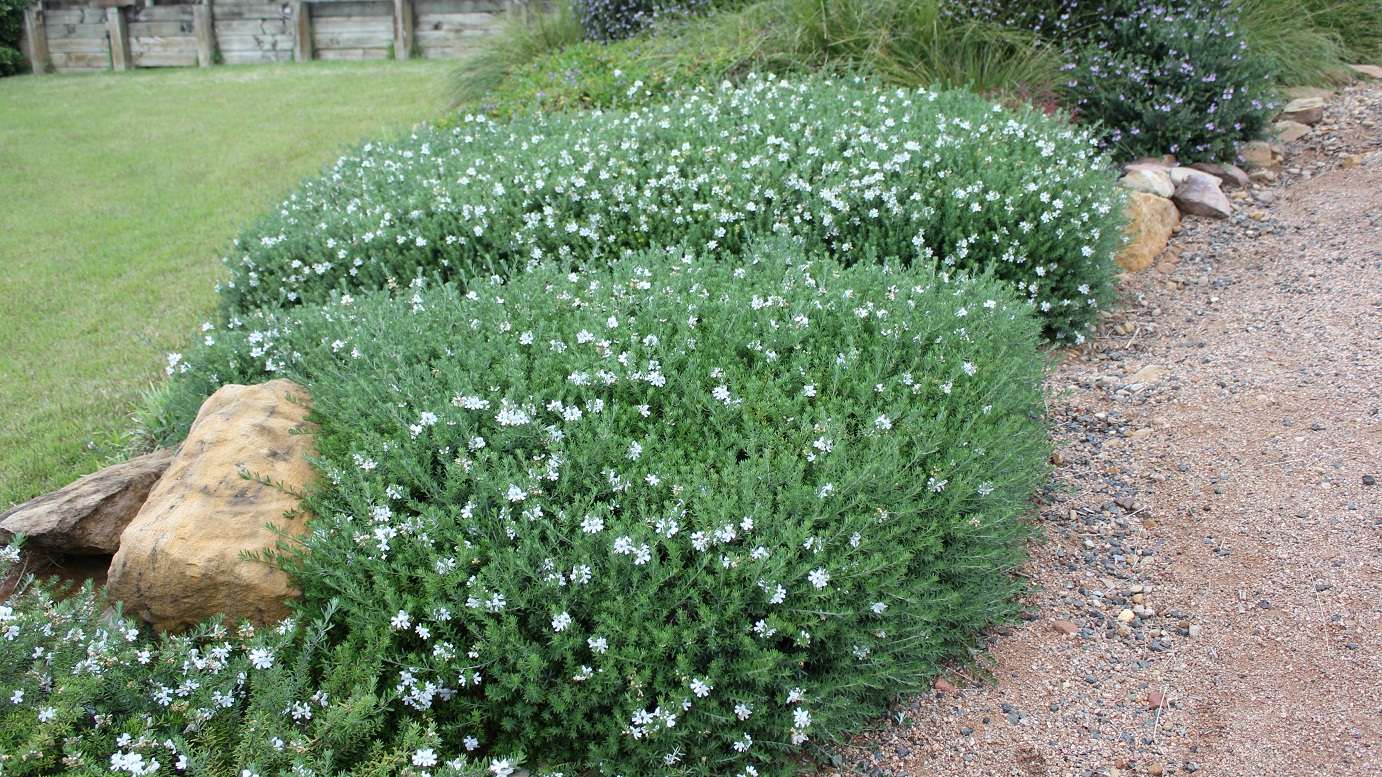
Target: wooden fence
(65, 36)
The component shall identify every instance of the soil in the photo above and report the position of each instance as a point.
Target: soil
(1208, 585)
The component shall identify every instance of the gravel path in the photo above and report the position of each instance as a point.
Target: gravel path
(1209, 595)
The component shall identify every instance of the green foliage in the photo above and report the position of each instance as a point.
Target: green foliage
(525, 33)
(1285, 36)
(869, 175)
(904, 42)
(1357, 23)
(11, 31)
(675, 515)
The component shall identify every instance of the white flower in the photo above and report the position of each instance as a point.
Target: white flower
(516, 494)
(470, 743)
(742, 711)
(17, 697)
(401, 620)
(561, 622)
(261, 658)
(502, 767)
(819, 578)
(47, 714)
(597, 644)
(425, 757)
(635, 451)
(883, 423)
(701, 688)
(809, 390)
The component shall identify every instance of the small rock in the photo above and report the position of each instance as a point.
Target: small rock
(1199, 195)
(1258, 155)
(942, 685)
(1126, 616)
(1288, 131)
(1156, 699)
(1367, 71)
(1230, 175)
(1149, 373)
(1369, 480)
(1149, 180)
(1065, 627)
(1306, 110)
(1156, 769)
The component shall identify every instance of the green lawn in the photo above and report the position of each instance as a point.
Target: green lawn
(120, 192)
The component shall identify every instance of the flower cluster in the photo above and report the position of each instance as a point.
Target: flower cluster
(84, 690)
(675, 514)
(909, 177)
(1167, 76)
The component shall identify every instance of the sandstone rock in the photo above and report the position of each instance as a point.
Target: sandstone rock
(1367, 71)
(179, 559)
(1230, 175)
(1065, 628)
(1149, 180)
(943, 685)
(1199, 194)
(1151, 220)
(86, 517)
(1290, 131)
(1306, 110)
(1258, 155)
(1296, 92)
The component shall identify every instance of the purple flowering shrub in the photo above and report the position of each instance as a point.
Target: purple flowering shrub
(609, 20)
(1155, 77)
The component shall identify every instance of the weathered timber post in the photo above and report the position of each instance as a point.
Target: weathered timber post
(204, 27)
(302, 31)
(119, 28)
(403, 29)
(37, 32)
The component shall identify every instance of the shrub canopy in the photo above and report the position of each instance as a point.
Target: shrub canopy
(1159, 77)
(912, 177)
(670, 516)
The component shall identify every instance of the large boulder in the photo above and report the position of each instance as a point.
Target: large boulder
(1151, 220)
(87, 517)
(180, 558)
(1367, 71)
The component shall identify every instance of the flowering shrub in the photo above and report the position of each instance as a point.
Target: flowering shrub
(871, 175)
(83, 691)
(606, 20)
(664, 516)
(1157, 77)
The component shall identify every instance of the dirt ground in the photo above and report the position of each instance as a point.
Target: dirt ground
(1213, 544)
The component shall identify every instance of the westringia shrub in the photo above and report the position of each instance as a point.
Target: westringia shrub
(669, 516)
(607, 20)
(87, 692)
(1174, 76)
(870, 174)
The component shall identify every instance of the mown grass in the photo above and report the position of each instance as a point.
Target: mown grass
(120, 192)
